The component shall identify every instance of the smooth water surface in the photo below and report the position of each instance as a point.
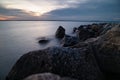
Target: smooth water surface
(20, 37)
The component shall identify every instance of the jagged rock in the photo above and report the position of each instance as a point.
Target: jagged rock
(69, 41)
(109, 49)
(47, 76)
(106, 49)
(84, 34)
(108, 53)
(74, 29)
(69, 62)
(60, 33)
(86, 43)
(105, 28)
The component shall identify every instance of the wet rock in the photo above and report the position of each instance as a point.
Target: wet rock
(109, 50)
(69, 41)
(108, 53)
(60, 33)
(96, 29)
(84, 34)
(43, 40)
(47, 76)
(74, 29)
(105, 28)
(70, 62)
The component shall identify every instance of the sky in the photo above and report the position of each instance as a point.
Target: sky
(106, 10)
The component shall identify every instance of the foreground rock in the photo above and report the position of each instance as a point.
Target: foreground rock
(68, 62)
(47, 76)
(108, 52)
(60, 33)
(106, 49)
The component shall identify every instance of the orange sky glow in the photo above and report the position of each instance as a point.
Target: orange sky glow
(2, 17)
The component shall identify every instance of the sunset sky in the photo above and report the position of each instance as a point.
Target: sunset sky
(60, 10)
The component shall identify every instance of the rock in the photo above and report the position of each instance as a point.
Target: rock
(86, 43)
(105, 28)
(43, 40)
(47, 76)
(96, 29)
(84, 34)
(108, 53)
(69, 41)
(74, 29)
(106, 49)
(31, 63)
(60, 33)
(70, 62)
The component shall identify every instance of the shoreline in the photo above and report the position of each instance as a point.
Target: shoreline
(89, 47)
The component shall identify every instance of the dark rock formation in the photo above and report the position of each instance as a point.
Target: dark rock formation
(108, 52)
(60, 33)
(105, 28)
(43, 40)
(69, 41)
(74, 29)
(84, 34)
(74, 63)
(47, 76)
(106, 49)
(31, 63)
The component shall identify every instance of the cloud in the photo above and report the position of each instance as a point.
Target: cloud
(95, 10)
(16, 14)
(41, 6)
(61, 9)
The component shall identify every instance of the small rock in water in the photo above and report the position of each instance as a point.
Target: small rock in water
(43, 40)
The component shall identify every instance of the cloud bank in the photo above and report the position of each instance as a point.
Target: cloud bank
(60, 9)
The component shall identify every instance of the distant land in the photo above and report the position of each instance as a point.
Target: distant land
(65, 20)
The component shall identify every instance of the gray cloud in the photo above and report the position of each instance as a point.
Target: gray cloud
(85, 10)
(95, 10)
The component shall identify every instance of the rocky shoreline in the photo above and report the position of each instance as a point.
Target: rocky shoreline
(92, 54)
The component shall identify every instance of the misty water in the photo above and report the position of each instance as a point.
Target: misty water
(20, 37)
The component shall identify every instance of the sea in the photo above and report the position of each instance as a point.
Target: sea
(20, 37)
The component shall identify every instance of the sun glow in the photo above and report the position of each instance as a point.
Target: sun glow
(2, 17)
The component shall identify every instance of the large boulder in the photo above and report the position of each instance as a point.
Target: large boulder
(109, 49)
(70, 62)
(84, 34)
(47, 76)
(60, 33)
(69, 41)
(108, 52)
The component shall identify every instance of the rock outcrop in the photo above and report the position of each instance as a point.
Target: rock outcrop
(108, 52)
(60, 33)
(106, 49)
(47, 76)
(69, 41)
(84, 33)
(68, 62)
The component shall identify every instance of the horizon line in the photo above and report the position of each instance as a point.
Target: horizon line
(67, 20)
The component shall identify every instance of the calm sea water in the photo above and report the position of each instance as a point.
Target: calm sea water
(20, 37)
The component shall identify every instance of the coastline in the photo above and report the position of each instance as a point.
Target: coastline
(84, 53)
